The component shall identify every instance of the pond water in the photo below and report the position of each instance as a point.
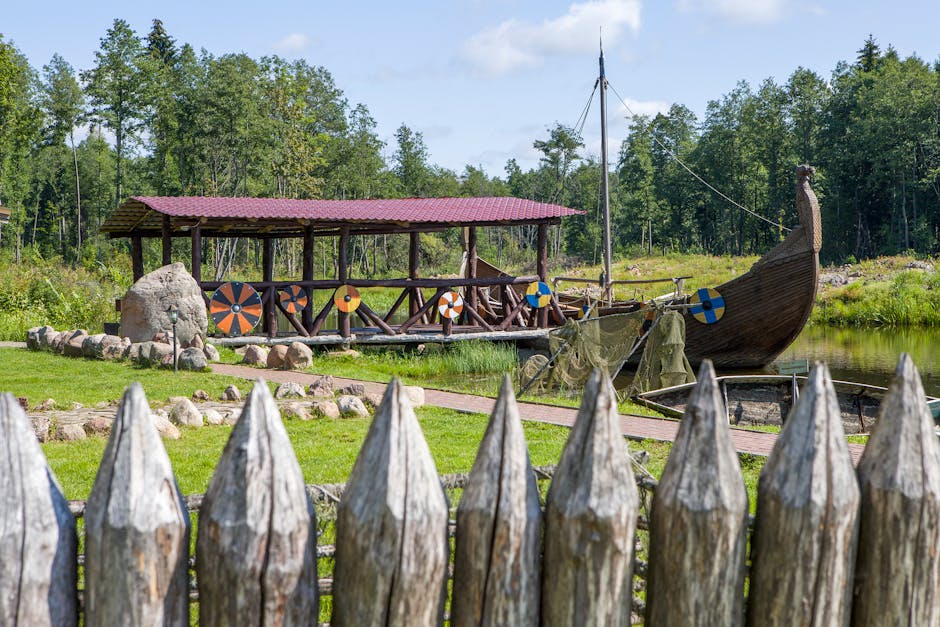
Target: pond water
(870, 355)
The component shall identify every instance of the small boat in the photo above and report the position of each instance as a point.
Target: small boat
(765, 400)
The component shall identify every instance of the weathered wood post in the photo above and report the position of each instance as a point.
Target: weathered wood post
(698, 522)
(136, 528)
(37, 530)
(391, 526)
(499, 528)
(590, 519)
(803, 547)
(256, 543)
(896, 574)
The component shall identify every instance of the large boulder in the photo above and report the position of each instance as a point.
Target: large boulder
(255, 356)
(144, 307)
(73, 347)
(298, 356)
(276, 356)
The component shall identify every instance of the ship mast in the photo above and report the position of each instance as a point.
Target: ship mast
(604, 185)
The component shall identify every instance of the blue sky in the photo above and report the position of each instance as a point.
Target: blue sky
(482, 79)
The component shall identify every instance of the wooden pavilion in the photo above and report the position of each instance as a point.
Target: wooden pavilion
(268, 219)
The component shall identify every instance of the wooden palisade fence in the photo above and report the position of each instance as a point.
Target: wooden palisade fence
(831, 545)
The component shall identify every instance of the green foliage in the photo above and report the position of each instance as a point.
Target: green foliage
(40, 291)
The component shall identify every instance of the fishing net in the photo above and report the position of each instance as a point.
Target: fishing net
(603, 342)
(663, 363)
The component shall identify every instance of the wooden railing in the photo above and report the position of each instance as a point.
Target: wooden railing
(829, 543)
(512, 309)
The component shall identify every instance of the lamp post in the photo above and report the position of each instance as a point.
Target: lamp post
(174, 314)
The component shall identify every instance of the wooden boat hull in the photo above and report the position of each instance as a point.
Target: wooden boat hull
(765, 400)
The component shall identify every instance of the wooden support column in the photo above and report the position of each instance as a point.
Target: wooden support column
(196, 267)
(306, 317)
(137, 257)
(542, 269)
(269, 324)
(167, 241)
(342, 275)
(471, 267)
(414, 247)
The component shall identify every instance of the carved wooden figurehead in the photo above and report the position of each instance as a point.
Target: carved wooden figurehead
(807, 206)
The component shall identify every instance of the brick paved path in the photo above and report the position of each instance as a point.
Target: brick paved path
(633, 426)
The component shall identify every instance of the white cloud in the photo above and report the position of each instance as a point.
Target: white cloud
(516, 44)
(641, 107)
(292, 43)
(746, 11)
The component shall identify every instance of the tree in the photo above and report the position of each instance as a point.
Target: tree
(411, 163)
(116, 88)
(63, 104)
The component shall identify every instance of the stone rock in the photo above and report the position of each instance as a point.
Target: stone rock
(144, 306)
(70, 432)
(160, 354)
(322, 387)
(32, 339)
(372, 399)
(201, 395)
(57, 342)
(24, 402)
(73, 346)
(192, 359)
(349, 352)
(415, 395)
(295, 410)
(211, 353)
(355, 389)
(231, 393)
(165, 428)
(185, 413)
(91, 346)
(138, 352)
(229, 417)
(299, 356)
(290, 389)
(277, 356)
(213, 417)
(76, 405)
(98, 426)
(173, 400)
(41, 427)
(46, 405)
(241, 350)
(196, 342)
(255, 356)
(163, 337)
(325, 409)
(114, 348)
(46, 335)
(351, 407)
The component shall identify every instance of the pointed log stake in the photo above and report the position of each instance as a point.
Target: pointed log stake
(37, 531)
(698, 522)
(391, 526)
(803, 547)
(136, 528)
(256, 543)
(499, 528)
(590, 519)
(896, 573)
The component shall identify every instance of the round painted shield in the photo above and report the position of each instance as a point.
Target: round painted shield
(538, 294)
(293, 298)
(235, 308)
(450, 304)
(708, 306)
(346, 298)
(583, 312)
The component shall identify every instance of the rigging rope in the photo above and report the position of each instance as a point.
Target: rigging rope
(689, 170)
(584, 112)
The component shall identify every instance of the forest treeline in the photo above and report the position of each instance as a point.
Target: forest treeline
(156, 117)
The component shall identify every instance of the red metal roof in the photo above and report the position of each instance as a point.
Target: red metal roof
(447, 210)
